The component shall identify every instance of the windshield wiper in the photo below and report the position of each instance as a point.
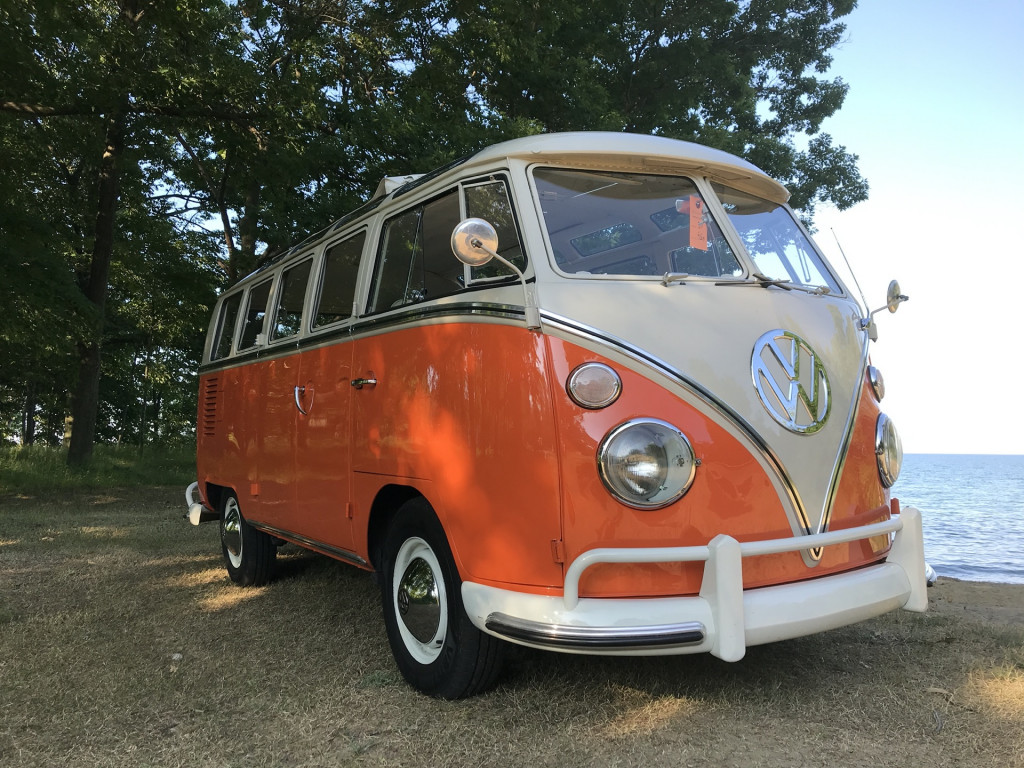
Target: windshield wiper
(759, 280)
(763, 281)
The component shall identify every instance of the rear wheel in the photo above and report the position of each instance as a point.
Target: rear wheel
(437, 648)
(248, 554)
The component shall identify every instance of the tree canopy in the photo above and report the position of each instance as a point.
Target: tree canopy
(154, 151)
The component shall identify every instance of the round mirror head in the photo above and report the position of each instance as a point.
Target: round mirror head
(893, 298)
(474, 242)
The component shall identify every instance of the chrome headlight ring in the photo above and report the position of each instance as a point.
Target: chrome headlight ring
(877, 382)
(888, 450)
(646, 463)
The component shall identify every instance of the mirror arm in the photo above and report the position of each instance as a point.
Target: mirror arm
(866, 321)
(530, 307)
(893, 299)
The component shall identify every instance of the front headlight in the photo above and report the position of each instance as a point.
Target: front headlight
(646, 463)
(888, 450)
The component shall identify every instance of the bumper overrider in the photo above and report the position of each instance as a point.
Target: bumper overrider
(723, 619)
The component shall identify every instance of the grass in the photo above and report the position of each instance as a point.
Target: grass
(122, 643)
(36, 469)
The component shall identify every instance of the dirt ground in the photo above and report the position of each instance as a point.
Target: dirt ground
(122, 643)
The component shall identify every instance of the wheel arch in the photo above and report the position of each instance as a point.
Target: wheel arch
(215, 494)
(386, 503)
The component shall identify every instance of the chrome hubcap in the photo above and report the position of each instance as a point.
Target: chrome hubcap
(231, 532)
(418, 603)
(420, 600)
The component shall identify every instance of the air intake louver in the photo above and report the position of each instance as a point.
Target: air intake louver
(208, 405)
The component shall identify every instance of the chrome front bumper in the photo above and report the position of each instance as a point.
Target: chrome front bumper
(723, 619)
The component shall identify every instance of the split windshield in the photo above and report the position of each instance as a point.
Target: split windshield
(630, 224)
(773, 240)
(634, 224)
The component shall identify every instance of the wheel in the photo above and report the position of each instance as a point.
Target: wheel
(437, 648)
(248, 554)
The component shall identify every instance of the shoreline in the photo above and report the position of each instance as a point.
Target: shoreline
(988, 602)
(945, 578)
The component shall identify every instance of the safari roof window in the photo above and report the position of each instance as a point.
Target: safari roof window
(290, 301)
(338, 283)
(416, 260)
(255, 311)
(226, 326)
(774, 240)
(490, 201)
(631, 224)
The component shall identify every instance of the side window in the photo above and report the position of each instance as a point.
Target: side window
(416, 262)
(338, 284)
(226, 326)
(490, 202)
(255, 310)
(291, 298)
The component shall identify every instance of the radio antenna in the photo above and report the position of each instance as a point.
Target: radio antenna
(849, 269)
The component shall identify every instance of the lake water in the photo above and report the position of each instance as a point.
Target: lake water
(973, 513)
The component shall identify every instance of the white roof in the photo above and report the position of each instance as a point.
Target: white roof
(637, 152)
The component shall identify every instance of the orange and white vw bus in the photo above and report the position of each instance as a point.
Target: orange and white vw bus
(592, 392)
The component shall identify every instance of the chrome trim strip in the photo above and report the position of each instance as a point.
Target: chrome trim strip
(372, 326)
(566, 637)
(316, 546)
(844, 450)
(378, 324)
(638, 354)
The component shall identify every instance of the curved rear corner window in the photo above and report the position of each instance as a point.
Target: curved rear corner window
(226, 326)
(630, 224)
(255, 311)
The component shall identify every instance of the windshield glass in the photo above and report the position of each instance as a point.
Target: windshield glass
(774, 241)
(602, 223)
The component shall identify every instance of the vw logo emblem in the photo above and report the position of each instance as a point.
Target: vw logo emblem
(403, 600)
(791, 381)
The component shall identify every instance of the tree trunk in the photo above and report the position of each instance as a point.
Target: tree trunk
(28, 420)
(244, 260)
(85, 403)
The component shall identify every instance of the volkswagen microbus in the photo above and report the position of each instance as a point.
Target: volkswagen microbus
(593, 393)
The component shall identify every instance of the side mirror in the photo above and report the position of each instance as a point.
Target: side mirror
(475, 242)
(893, 297)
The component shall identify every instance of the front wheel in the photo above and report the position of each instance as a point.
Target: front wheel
(437, 648)
(248, 554)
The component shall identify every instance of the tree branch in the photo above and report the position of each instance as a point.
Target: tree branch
(216, 112)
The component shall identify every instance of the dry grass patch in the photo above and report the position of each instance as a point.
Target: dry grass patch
(122, 643)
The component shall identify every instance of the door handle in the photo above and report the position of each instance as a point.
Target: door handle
(360, 383)
(299, 392)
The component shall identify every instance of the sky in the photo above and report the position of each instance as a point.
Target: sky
(935, 112)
